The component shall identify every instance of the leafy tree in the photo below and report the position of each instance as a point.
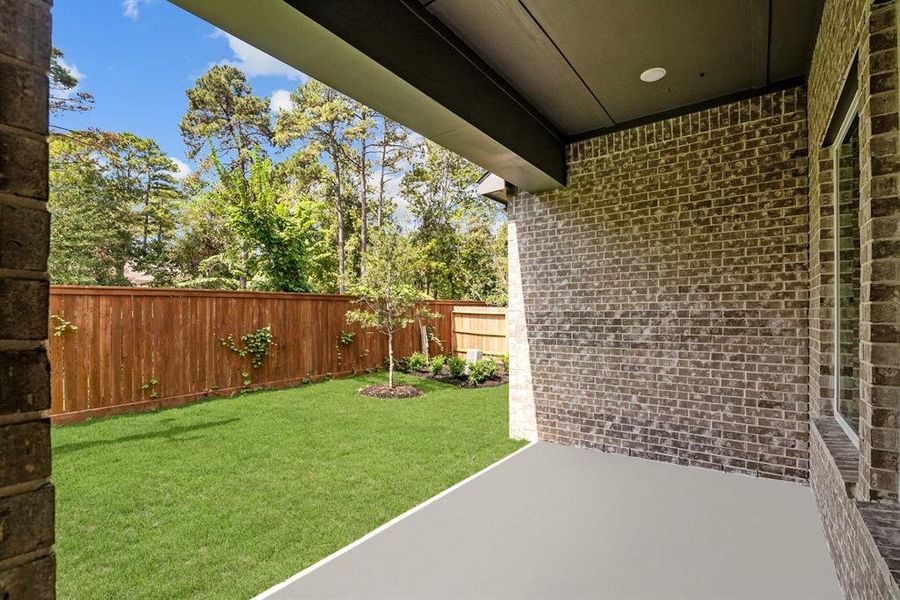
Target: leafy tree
(144, 177)
(393, 149)
(439, 186)
(361, 133)
(63, 97)
(281, 236)
(387, 293)
(452, 224)
(243, 222)
(226, 117)
(319, 117)
(206, 251)
(80, 224)
(123, 186)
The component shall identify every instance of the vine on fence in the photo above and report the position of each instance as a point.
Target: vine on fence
(257, 344)
(61, 325)
(151, 385)
(433, 338)
(345, 338)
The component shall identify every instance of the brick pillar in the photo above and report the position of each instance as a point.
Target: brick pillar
(522, 423)
(880, 258)
(26, 495)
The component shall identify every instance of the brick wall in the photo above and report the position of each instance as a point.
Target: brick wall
(848, 29)
(866, 31)
(880, 257)
(861, 570)
(26, 496)
(664, 291)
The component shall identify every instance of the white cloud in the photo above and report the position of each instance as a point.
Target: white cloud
(184, 169)
(281, 100)
(132, 8)
(255, 62)
(74, 72)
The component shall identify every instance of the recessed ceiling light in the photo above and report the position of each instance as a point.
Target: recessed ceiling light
(654, 74)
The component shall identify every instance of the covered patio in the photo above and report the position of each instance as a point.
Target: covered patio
(704, 289)
(552, 521)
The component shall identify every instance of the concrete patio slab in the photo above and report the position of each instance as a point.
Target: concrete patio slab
(562, 522)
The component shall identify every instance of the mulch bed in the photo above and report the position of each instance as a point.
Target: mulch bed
(461, 381)
(398, 391)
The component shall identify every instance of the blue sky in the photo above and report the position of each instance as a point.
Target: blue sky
(137, 57)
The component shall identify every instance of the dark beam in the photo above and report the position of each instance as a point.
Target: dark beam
(395, 57)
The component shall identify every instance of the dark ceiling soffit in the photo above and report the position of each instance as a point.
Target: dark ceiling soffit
(690, 108)
(407, 40)
(761, 41)
(565, 59)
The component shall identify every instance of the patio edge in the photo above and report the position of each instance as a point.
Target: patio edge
(340, 551)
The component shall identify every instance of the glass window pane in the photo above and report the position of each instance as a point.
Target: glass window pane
(848, 276)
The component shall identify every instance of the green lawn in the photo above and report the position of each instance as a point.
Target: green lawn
(222, 499)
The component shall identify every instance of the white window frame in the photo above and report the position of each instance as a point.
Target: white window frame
(852, 113)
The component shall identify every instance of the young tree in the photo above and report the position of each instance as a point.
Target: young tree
(386, 292)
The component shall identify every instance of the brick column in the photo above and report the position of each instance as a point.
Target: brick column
(880, 258)
(522, 422)
(26, 495)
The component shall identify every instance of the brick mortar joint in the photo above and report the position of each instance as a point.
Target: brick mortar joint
(25, 133)
(33, 275)
(23, 559)
(23, 202)
(19, 489)
(23, 417)
(28, 66)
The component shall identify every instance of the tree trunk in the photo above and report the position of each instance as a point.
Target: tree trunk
(423, 334)
(146, 231)
(245, 256)
(390, 360)
(380, 207)
(363, 208)
(341, 251)
(339, 209)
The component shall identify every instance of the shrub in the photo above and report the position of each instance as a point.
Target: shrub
(399, 364)
(482, 370)
(504, 362)
(457, 365)
(437, 364)
(416, 361)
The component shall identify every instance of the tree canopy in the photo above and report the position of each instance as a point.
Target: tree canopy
(288, 200)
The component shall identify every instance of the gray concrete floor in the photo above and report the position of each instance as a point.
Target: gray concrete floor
(560, 522)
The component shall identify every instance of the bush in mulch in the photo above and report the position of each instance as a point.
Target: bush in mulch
(385, 391)
(450, 369)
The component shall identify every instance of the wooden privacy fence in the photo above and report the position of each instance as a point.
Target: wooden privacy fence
(127, 338)
(479, 328)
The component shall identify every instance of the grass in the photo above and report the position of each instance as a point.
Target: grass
(223, 499)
